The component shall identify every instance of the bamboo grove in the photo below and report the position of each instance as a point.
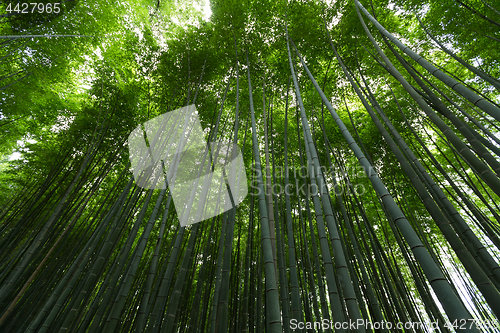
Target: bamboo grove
(369, 132)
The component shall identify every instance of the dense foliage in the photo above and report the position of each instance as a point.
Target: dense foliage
(385, 113)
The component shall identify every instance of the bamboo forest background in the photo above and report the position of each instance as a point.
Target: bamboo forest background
(385, 113)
